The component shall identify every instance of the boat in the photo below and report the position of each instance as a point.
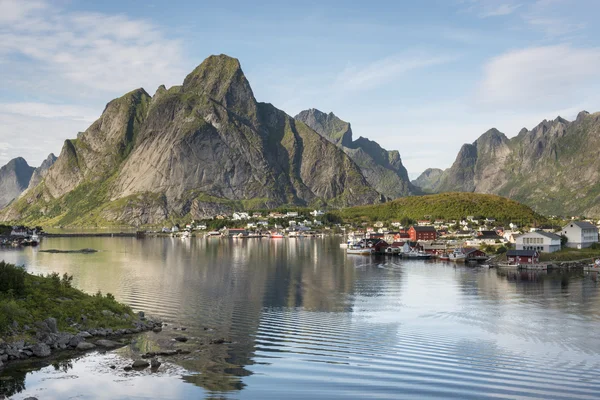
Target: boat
(507, 265)
(420, 254)
(457, 255)
(365, 251)
(444, 256)
(214, 233)
(276, 235)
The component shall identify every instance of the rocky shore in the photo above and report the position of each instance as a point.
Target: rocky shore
(44, 339)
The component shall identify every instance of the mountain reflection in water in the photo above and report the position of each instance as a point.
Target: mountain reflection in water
(306, 320)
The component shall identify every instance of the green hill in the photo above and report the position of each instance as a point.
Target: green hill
(446, 206)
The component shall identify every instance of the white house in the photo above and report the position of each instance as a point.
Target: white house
(580, 234)
(540, 241)
(238, 216)
(317, 213)
(18, 231)
(292, 214)
(201, 227)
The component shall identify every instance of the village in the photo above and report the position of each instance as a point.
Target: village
(471, 239)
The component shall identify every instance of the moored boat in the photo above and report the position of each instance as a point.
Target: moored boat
(457, 255)
(365, 251)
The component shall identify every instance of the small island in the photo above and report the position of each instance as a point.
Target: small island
(43, 314)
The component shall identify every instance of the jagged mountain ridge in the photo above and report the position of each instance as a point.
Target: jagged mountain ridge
(14, 178)
(383, 169)
(553, 168)
(203, 147)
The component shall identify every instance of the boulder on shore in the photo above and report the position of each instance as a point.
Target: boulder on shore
(85, 346)
(140, 364)
(109, 344)
(41, 350)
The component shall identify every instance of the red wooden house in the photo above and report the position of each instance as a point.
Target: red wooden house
(523, 256)
(422, 233)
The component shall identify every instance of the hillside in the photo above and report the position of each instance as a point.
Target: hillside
(383, 169)
(553, 168)
(193, 150)
(446, 206)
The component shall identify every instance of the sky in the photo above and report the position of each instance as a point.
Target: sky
(419, 77)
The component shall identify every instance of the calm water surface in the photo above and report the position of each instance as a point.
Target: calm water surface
(308, 321)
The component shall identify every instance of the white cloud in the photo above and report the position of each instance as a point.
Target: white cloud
(385, 70)
(548, 76)
(107, 53)
(44, 110)
(500, 10)
(51, 55)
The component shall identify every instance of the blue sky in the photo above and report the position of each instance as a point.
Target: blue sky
(420, 77)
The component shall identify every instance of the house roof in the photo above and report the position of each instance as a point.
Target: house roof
(546, 234)
(521, 253)
(582, 224)
(424, 228)
(488, 235)
(469, 250)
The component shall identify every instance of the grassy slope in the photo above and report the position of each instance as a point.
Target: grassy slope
(446, 206)
(27, 298)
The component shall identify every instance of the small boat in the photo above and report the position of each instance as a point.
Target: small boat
(365, 251)
(444, 256)
(276, 235)
(507, 265)
(418, 254)
(214, 233)
(457, 255)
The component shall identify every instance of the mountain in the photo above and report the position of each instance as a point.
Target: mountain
(447, 206)
(191, 151)
(14, 179)
(553, 168)
(40, 172)
(429, 180)
(383, 169)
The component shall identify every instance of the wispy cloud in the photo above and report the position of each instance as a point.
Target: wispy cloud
(499, 10)
(54, 111)
(107, 53)
(540, 76)
(385, 70)
(51, 55)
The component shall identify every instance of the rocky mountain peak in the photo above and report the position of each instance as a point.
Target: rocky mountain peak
(221, 79)
(329, 126)
(14, 179)
(582, 115)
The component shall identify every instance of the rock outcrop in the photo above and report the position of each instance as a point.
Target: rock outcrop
(188, 150)
(40, 172)
(383, 169)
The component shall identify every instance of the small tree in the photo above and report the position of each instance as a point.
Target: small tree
(563, 240)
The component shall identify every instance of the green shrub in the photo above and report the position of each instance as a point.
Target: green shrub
(12, 279)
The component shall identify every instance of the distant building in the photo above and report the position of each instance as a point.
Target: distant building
(522, 256)
(580, 234)
(424, 222)
(317, 213)
(292, 214)
(235, 231)
(540, 241)
(417, 233)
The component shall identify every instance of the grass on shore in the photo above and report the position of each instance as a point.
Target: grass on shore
(27, 299)
(569, 254)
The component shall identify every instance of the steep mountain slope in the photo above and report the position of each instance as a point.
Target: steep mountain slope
(40, 172)
(193, 150)
(383, 169)
(429, 179)
(14, 178)
(553, 168)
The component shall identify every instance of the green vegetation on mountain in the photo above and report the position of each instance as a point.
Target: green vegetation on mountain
(554, 168)
(192, 151)
(447, 206)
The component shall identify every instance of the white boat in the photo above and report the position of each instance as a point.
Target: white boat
(418, 254)
(457, 255)
(365, 251)
(214, 233)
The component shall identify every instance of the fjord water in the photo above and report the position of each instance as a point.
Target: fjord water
(308, 321)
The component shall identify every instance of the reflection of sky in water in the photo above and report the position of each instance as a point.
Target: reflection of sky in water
(308, 321)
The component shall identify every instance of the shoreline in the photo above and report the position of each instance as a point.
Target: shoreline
(50, 342)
